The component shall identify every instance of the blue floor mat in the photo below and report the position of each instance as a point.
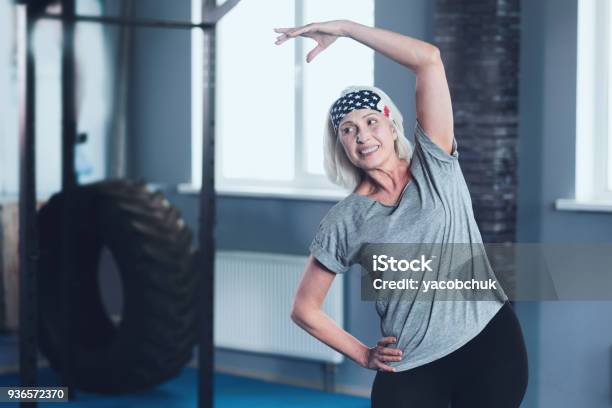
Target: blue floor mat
(230, 392)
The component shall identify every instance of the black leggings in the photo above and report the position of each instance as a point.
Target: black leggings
(489, 371)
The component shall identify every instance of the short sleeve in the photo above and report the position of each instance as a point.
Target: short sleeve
(328, 246)
(431, 150)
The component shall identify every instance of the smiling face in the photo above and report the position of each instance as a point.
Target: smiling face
(368, 139)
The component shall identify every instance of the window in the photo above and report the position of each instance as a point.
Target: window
(593, 105)
(270, 104)
(94, 102)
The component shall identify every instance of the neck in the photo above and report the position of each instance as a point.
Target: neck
(386, 180)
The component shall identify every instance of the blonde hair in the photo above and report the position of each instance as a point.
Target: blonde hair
(338, 168)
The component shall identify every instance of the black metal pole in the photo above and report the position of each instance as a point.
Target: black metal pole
(69, 113)
(28, 233)
(69, 182)
(206, 259)
(207, 223)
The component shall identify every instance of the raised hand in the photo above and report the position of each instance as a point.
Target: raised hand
(323, 33)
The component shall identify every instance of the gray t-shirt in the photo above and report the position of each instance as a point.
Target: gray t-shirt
(435, 207)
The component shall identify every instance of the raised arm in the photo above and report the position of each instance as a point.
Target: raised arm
(433, 102)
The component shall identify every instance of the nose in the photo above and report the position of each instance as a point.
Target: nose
(362, 137)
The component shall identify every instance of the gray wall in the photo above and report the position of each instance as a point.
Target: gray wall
(568, 342)
(159, 119)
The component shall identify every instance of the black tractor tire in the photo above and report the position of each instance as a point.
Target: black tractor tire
(151, 246)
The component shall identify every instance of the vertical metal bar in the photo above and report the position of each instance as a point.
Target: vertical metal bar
(117, 145)
(28, 234)
(206, 259)
(299, 147)
(329, 377)
(69, 182)
(206, 223)
(3, 302)
(207, 212)
(69, 112)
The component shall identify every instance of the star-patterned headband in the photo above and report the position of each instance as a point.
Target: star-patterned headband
(362, 99)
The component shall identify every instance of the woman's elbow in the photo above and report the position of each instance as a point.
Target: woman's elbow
(430, 58)
(434, 55)
(300, 315)
(295, 314)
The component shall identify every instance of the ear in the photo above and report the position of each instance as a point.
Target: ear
(394, 132)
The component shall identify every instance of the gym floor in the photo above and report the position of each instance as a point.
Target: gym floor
(230, 391)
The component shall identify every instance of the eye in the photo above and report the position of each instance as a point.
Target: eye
(372, 121)
(347, 130)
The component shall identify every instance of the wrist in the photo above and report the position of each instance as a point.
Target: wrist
(346, 27)
(364, 357)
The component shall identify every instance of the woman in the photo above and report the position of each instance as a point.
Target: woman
(433, 352)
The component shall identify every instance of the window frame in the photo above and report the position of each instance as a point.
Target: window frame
(304, 184)
(593, 101)
(593, 173)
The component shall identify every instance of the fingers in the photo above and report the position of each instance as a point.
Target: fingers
(380, 354)
(384, 367)
(283, 35)
(315, 51)
(287, 33)
(390, 351)
(387, 353)
(300, 30)
(281, 39)
(386, 340)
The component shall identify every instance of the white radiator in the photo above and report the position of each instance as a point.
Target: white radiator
(253, 297)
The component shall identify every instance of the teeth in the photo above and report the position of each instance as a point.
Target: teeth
(370, 150)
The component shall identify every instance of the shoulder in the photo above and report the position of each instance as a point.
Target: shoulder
(345, 217)
(349, 209)
(425, 143)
